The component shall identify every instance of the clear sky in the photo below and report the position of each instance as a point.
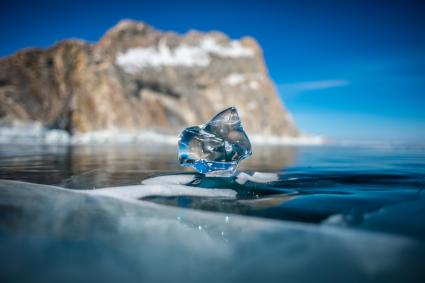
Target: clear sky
(345, 69)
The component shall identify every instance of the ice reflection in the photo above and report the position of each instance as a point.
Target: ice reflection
(88, 167)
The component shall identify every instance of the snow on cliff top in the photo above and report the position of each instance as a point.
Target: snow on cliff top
(137, 58)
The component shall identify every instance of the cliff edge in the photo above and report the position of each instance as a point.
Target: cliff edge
(137, 78)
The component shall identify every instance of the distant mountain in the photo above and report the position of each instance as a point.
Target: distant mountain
(138, 79)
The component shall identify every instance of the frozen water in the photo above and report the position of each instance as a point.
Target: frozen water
(333, 213)
(164, 186)
(50, 234)
(257, 177)
(217, 147)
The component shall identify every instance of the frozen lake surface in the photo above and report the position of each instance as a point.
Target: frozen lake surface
(131, 213)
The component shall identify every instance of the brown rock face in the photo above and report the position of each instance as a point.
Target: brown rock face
(137, 78)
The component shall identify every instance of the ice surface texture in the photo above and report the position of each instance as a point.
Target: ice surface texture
(91, 237)
(215, 148)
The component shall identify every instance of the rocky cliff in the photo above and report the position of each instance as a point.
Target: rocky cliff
(137, 78)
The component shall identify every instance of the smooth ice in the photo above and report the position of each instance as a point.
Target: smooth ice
(50, 233)
(215, 148)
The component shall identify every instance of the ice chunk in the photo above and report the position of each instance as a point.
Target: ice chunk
(217, 147)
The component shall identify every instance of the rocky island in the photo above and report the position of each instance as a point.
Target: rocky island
(136, 80)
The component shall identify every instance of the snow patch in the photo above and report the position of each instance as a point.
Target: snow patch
(235, 79)
(250, 80)
(234, 49)
(186, 55)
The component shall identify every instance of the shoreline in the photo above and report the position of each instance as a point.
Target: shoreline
(35, 134)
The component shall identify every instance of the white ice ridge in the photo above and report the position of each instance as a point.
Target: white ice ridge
(35, 133)
(257, 177)
(123, 137)
(29, 133)
(137, 58)
(172, 185)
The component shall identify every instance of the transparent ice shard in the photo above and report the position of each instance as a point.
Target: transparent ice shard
(215, 148)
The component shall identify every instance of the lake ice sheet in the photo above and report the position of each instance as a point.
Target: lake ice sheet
(50, 234)
(319, 214)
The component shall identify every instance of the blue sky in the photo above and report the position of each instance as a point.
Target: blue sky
(345, 69)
